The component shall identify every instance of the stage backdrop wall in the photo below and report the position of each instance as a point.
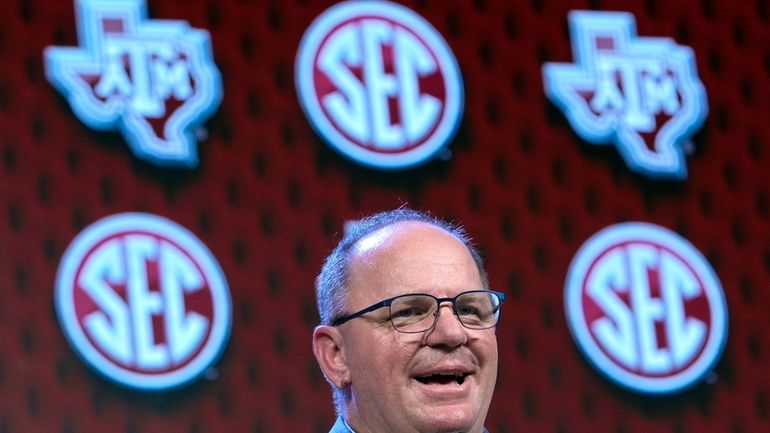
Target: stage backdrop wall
(269, 198)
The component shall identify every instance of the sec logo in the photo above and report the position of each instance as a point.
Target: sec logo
(646, 308)
(143, 301)
(379, 84)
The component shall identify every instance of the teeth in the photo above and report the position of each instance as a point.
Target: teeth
(458, 378)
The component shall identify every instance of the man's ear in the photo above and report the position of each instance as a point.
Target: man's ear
(328, 345)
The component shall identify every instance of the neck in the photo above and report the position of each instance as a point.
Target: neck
(360, 427)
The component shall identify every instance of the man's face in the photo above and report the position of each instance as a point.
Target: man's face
(438, 380)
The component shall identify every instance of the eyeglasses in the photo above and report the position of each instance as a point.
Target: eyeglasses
(418, 312)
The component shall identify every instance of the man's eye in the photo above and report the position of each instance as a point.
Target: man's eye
(405, 312)
(468, 311)
(464, 311)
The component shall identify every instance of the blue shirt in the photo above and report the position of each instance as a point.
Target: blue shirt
(342, 427)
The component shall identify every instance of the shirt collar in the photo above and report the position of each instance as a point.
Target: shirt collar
(341, 426)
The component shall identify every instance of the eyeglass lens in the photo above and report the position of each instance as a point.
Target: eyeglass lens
(417, 313)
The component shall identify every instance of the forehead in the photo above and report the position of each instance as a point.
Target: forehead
(410, 257)
(406, 237)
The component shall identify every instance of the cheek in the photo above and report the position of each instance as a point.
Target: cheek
(492, 360)
(380, 368)
(381, 354)
(389, 356)
(486, 350)
(375, 351)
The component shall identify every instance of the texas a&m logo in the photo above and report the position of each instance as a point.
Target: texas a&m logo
(379, 84)
(646, 308)
(640, 93)
(154, 80)
(143, 301)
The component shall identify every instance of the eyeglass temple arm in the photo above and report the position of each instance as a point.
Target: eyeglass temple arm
(360, 313)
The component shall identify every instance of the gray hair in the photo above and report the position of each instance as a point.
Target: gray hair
(331, 283)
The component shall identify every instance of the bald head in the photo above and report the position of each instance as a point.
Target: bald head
(396, 258)
(333, 279)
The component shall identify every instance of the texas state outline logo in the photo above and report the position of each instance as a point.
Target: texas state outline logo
(153, 80)
(641, 94)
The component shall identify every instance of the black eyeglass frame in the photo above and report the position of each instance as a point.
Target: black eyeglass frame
(439, 301)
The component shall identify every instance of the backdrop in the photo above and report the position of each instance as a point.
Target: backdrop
(270, 198)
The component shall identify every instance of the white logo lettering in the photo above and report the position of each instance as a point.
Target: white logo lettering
(350, 104)
(156, 74)
(125, 330)
(647, 90)
(628, 331)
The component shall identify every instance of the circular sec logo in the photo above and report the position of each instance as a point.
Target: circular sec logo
(646, 308)
(143, 301)
(379, 84)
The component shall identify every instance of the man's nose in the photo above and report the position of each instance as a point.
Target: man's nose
(447, 331)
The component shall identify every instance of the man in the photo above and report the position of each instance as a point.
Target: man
(407, 336)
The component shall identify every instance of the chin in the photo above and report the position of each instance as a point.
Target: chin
(451, 419)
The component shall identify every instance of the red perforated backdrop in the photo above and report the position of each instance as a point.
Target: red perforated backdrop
(269, 199)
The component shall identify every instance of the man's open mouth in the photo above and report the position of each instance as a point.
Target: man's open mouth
(442, 379)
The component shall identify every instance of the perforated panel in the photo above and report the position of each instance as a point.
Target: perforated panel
(270, 198)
